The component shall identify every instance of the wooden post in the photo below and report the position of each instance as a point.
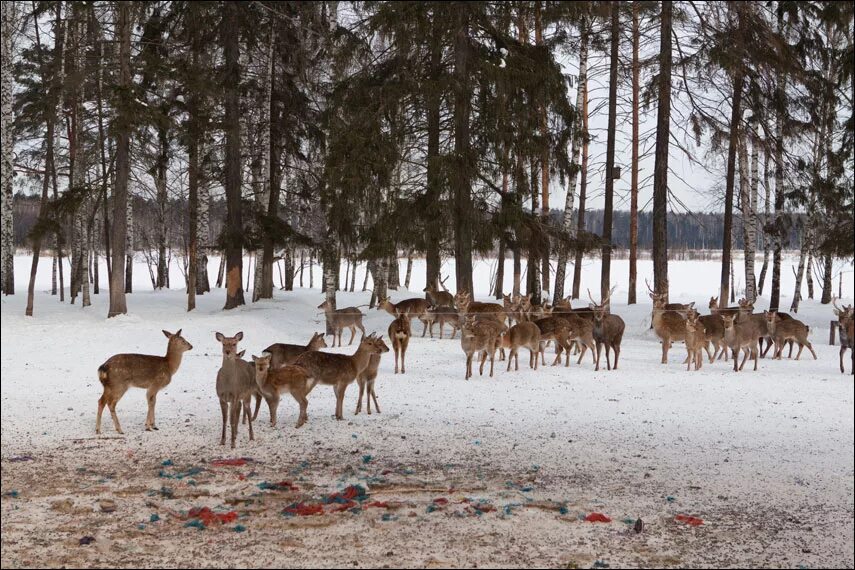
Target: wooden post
(831, 331)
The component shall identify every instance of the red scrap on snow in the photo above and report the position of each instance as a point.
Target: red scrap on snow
(692, 521)
(229, 462)
(209, 517)
(598, 517)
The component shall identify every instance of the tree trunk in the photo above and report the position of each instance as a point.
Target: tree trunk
(660, 168)
(544, 164)
(605, 275)
(809, 274)
(203, 237)
(394, 273)
(778, 235)
(434, 227)
(800, 272)
(583, 183)
(461, 171)
(264, 271)
(827, 279)
(123, 126)
(331, 263)
(408, 274)
(735, 120)
(633, 200)
(766, 241)
(747, 219)
(234, 222)
(498, 289)
(353, 275)
(533, 265)
(129, 246)
(576, 144)
(7, 255)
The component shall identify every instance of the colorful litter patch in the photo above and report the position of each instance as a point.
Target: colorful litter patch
(691, 521)
(237, 462)
(597, 517)
(204, 517)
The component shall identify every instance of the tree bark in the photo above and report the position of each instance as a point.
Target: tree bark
(583, 187)
(264, 271)
(7, 255)
(766, 241)
(605, 274)
(747, 211)
(633, 200)
(735, 123)
(123, 126)
(433, 229)
(234, 223)
(778, 235)
(461, 176)
(660, 167)
(576, 143)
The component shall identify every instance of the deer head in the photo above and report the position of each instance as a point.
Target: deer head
(177, 343)
(230, 345)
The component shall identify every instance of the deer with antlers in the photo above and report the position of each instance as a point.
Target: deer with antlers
(681, 308)
(608, 329)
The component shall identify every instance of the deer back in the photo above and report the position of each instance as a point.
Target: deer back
(669, 324)
(522, 334)
(145, 370)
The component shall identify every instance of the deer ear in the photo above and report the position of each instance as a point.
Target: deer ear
(241, 353)
(219, 336)
(167, 334)
(239, 336)
(692, 305)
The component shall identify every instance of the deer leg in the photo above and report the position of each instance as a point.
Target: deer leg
(257, 405)
(608, 356)
(492, 360)
(597, 361)
(273, 405)
(842, 370)
(352, 334)
(510, 360)
(483, 357)
(224, 406)
(234, 419)
(247, 409)
(744, 358)
(404, 355)
(102, 401)
(756, 352)
(395, 348)
(339, 402)
(801, 348)
(304, 416)
(468, 366)
(374, 397)
(665, 345)
(361, 383)
(151, 396)
(790, 355)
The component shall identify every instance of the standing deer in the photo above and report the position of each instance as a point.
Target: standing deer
(741, 333)
(151, 372)
(781, 331)
(399, 335)
(681, 308)
(668, 325)
(845, 321)
(511, 304)
(338, 319)
(282, 354)
(410, 308)
(713, 328)
(340, 370)
(696, 341)
(608, 329)
(444, 314)
(721, 311)
(465, 306)
(481, 337)
(272, 382)
(437, 297)
(566, 330)
(235, 386)
(522, 335)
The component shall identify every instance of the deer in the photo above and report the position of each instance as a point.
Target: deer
(415, 307)
(154, 373)
(531, 311)
(481, 337)
(465, 305)
(340, 370)
(443, 314)
(713, 328)
(716, 310)
(338, 319)
(577, 331)
(782, 330)
(522, 335)
(439, 298)
(282, 354)
(511, 305)
(608, 329)
(682, 308)
(274, 381)
(845, 320)
(235, 386)
(399, 335)
(696, 341)
(741, 333)
(746, 309)
(668, 325)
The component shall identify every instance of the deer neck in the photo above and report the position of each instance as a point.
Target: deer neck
(361, 358)
(261, 378)
(390, 308)
(173, 359)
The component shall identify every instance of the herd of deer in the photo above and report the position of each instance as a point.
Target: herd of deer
(485, 328)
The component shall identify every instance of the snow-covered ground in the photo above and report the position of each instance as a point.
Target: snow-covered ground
(764, 458)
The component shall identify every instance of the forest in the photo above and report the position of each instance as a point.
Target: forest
(369, 131)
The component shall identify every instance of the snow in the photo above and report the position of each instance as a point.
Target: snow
(764, 458)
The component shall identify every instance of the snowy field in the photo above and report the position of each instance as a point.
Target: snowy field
(491, 472)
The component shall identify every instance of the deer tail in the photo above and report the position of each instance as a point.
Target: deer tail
(102, 374)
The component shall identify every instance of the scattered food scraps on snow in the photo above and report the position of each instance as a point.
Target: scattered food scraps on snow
(597, 517)
(692, 521)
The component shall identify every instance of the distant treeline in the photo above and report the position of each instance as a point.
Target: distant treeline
(685, 230)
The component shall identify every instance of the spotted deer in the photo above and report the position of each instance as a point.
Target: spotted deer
(274, 381)
(681, 308)
(441, 315)
(741, 333)
(438, 298)
(151, 372)
(608, 329)
(282, 354)
(845, 320)
(522, 335)
(783, 330)
(482, 337)
(339, 319)
(399, 335)
(341, 370)
(696, 341)
(466, 306)
(411, 308)
(235, 386)
(668, 325)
